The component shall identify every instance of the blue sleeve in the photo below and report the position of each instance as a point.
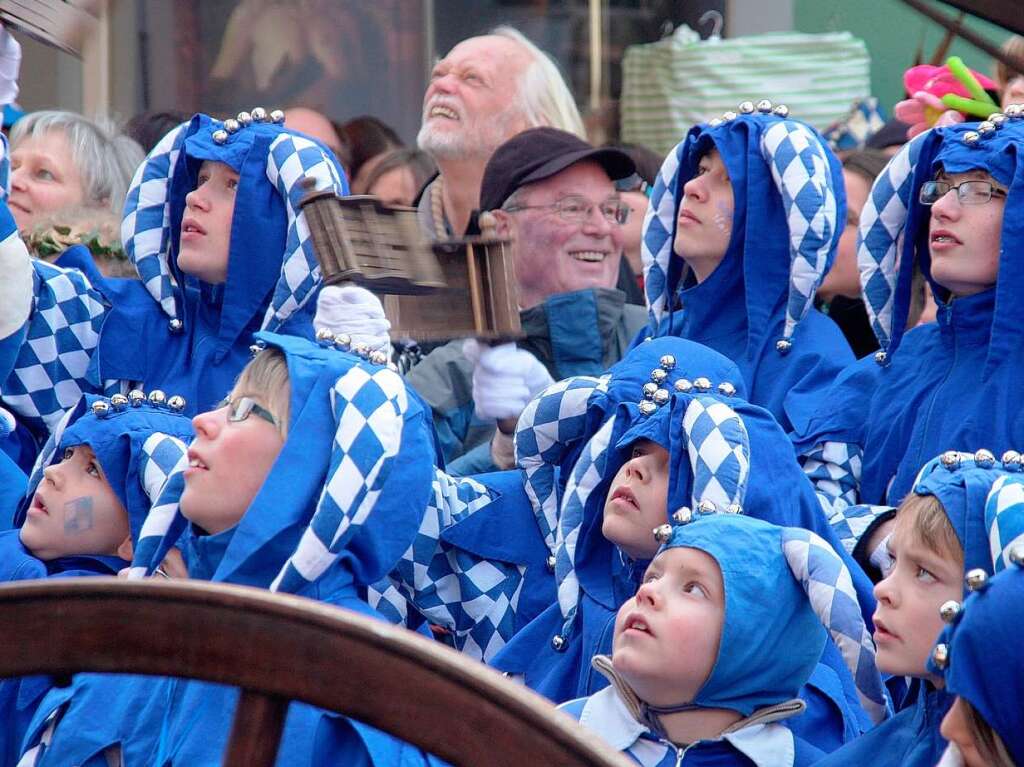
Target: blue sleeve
(52, 354)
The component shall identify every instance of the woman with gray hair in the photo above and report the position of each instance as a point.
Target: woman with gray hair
(62, 159)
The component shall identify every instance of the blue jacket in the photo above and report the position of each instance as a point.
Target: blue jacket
(756, 307)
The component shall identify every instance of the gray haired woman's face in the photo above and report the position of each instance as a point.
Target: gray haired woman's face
(44, 179)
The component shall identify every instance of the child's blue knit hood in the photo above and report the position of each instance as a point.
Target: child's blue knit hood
(789, 211)
(138, 440)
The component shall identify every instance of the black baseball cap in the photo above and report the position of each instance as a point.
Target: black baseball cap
(540, 153)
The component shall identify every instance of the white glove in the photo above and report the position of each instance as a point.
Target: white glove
(505, 378)
(16, 286)
(356, 312)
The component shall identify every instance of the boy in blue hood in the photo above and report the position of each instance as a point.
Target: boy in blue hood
(92, 488)
(940, 534)
(310, 479)
(212, 223)
(984, 725)
(726, 627)
(945, 205)
(743, 225)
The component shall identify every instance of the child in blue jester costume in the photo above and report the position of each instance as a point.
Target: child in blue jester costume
(742, 227)
(591, 450)
(945, 204)
(213, 225)
(940, 534)
(91, 490)
(979, 655)
(727, 626)
(311, 479)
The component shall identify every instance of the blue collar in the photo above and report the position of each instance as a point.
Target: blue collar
(967, 319)
(206, 551)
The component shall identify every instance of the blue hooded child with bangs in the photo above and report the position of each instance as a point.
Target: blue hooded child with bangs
(743, 224)
(212, 223)
(946, 205)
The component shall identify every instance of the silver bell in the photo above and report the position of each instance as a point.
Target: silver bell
(119, 401)
(951, 459)
(976, 579)
(940, 655)
(985, 127)
(1016, 554)
(324, 336)
(998, 119)
(1013, 111)
(881, 358)
(220, 136)
(727, 389)
(255, 349)
(729, 116)
(550, 562)
(667, 362)
(244, 118)
(136, 397)
(733, 508)
(764, 106)
(746, 107)
(683, 385)
(971, 137)
(648, 408)
(231, 125)
(259, 115)
(683, 515)
(378, 358)
(783, 345)
(1011, 459)
(949, 610)
(157, 397)
(361, 349)
(781, 111)
(714, 122)
(649, 389)
(277, 116)
(343, 341)
(706, 507)
(176, 403)
(662, 533)
(558, 642)
(175, 325)
(658, 376)
(100, 408)
(702, 384)
(661, 397)
(984, 459)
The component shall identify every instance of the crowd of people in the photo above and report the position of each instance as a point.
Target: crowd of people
(746, 491)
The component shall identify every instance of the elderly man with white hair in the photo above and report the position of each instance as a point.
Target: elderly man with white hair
(486, 90)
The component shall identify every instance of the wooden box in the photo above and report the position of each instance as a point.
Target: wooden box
(432, 291)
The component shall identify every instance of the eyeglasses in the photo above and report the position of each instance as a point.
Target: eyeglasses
(243, 407)
(575, 209)
(967, 192)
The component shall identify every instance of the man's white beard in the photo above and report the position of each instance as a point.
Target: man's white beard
(477, 139)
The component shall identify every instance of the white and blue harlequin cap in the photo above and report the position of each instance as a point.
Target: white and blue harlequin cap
(979, 654)
(138, 441)
(555, 425)
(789, 211)
(962, 483)
(782, 586)
(893, 234)
(1004, 518)
(5, 167)
(276, 168)
(351, 482)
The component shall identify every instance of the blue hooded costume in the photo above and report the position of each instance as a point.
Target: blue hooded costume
(138, 443)
(756, 308)
(340, 505)
(979, 655)
(782, 588)
(955, 383)
(87, 333)
(571, 442)
(961, 482)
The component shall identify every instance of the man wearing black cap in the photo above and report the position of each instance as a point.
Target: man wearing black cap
(554, 195)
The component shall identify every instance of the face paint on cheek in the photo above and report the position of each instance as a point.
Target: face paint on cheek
(723, 218)
(78, 515)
